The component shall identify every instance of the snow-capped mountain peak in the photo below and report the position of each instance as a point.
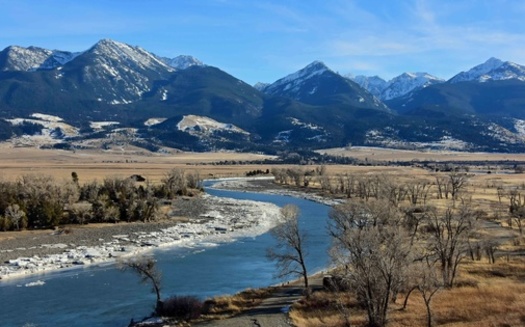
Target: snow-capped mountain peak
(125, 53)
(493, 69)
(294, 80)
(373, 84)
(183, 62)
(406, 83)
(260, 86)
(16, 58)
(397, 86)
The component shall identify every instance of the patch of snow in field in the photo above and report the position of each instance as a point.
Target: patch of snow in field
(519, 125)
(99, 125)
(504, 135)
(49, 124)
(204, 125)
(154, 121)
(47, 117)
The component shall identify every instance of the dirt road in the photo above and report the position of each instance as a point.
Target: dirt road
(272, 312)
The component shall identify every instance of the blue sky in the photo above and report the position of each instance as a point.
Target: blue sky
(265, 40)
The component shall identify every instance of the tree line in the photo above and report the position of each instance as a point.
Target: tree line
(35, 201)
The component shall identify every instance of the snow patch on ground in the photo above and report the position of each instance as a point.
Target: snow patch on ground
(154, 121)
(100, 125)
(199, 125)
(519, 126)
(311, 126)
(53, 129)
(388, 138)
(504, 135)
(45, 117)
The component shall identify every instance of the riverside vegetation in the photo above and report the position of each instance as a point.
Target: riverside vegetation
(426, 249)
(37, 202)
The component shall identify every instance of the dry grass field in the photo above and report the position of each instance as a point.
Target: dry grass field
(91, 164)
(96, 165)
(383, 154)
(490, 295)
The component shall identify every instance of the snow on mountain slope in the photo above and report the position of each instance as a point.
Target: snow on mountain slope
(126, 54)
(396, 87)
(199, 125)
(294, 81)
(53, 130)
(389, 138)
(406, 83)
(17, 58)
(492, 69)
(183, 62)
(120, 73)
(260, 86)
(373, 84)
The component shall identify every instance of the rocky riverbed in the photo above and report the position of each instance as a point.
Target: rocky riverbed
(222, 220)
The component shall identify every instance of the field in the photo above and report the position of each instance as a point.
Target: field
(383, 154)
(96, 165)
(91, 164)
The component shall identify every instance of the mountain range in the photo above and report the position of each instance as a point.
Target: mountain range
(114, 93)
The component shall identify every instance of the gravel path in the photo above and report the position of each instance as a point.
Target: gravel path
(272, 312)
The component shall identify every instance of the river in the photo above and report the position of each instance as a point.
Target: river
(105, 296)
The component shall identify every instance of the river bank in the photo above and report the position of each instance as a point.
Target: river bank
(223, 220)
(267, 185)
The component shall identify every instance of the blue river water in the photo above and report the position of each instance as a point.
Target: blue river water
(105, 296)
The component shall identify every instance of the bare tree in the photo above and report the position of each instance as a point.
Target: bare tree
(289, 253)
(448, 238)
(443, 186)
(418, 191)
(375, 253)
(391, 190)
(145, 268)
(517, 209)
(457, 182)
(414, 218)
(428, 285)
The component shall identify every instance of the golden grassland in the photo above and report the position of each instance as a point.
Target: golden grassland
(96, 165)
(488, 295)
(383, 154)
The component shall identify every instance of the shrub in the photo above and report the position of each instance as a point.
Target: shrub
(182, 307)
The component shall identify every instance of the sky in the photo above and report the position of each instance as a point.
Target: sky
(264, 40)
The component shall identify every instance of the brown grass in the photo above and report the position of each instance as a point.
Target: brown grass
(383, 154)
(222, 307)
(494, 296)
